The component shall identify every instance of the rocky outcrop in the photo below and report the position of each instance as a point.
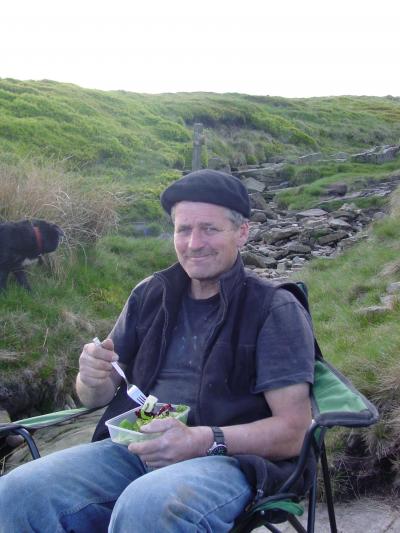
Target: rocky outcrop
(378, 154)
(280, 242)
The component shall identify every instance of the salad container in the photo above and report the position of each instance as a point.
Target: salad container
(125, 436)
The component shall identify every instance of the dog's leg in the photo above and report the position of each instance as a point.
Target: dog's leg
(20, 276)
(3, 279)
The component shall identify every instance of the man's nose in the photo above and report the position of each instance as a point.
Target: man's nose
(196, 239)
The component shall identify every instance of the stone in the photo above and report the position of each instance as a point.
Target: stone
(394, 288)
(332, 237)
(315, 223)
(389, 301)
(258, 216)
(373, 310)
(57, 437)
(276, 235)
(298, 248)
(253, 259)
(379, 154)
(257, 201)
(337, 189)
(316, 212)
(338, 223)
(253, 185)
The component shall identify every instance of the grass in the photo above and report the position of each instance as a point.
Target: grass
(46, 330)
(364, 347)
(355, 175)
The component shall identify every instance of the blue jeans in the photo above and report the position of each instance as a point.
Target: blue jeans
(101, 486)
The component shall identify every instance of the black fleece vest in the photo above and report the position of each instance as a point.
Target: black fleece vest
(229, 367)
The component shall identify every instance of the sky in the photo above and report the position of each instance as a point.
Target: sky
(290, 48)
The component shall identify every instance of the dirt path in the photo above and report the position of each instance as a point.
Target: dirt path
(365, 515)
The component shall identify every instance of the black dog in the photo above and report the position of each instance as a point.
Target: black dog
(25, 240)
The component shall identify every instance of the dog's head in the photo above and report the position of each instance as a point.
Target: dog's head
(48, 235)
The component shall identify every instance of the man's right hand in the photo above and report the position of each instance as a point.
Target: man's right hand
(97, 381)
(95, 367)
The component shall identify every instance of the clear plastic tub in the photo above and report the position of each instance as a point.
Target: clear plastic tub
(126, 436)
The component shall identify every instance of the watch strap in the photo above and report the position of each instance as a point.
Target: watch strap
(218, 435)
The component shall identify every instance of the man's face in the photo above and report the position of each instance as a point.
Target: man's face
(206, 241)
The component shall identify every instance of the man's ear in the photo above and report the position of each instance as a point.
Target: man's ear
(243, 234)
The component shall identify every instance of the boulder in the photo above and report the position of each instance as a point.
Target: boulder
(316, 212)
(257, 201)
(333, 237)
(277, 234)
(55, 438)
(253, 185)
(337, 189)
(258, 216)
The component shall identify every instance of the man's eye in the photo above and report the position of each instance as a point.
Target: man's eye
(210, 230)
(183, 231)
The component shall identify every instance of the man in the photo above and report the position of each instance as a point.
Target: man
(204, 332)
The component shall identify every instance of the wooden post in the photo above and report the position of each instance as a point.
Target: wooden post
(198, 140)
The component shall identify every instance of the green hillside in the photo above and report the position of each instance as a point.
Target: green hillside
(136, 135)
(95, 162)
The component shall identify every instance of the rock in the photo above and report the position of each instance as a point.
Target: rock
(59, 437)
(332, 237)
(276, 235)
(337, 189)
(309, 158)
(394, 288)
(257, 201)
(298, 248)
(253, 185)
(379, 154)
(12, 440)
(373, 310)
(316, 212)
(252, 259)
(258, 216)
(338, 223)
(389, 301)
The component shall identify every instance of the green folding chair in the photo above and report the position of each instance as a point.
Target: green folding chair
(335, 402)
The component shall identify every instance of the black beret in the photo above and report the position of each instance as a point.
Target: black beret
(211, 187)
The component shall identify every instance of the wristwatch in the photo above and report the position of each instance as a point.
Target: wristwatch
(218, 447)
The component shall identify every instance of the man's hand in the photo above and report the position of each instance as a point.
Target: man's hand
(95, 363)
(97, 381)
(177, 442)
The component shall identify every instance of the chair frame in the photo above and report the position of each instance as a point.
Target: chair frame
(265, 511)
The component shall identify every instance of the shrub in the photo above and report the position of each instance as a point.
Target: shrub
(33, 190)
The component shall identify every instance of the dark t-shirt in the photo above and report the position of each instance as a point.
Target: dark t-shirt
(179, 377)
(284, 355)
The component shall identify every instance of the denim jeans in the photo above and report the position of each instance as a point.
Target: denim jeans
(101, 486)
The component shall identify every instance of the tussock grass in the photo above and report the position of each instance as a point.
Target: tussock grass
(47, 191)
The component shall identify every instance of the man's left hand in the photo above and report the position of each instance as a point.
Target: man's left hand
(177, 442)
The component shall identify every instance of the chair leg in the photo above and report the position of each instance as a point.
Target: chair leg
(328, 490)
(312, 502)
(29, 440)
(295, 523)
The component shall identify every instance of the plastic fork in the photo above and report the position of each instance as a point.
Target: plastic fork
(132, 390)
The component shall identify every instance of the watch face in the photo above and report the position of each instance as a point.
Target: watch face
(217, 449)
